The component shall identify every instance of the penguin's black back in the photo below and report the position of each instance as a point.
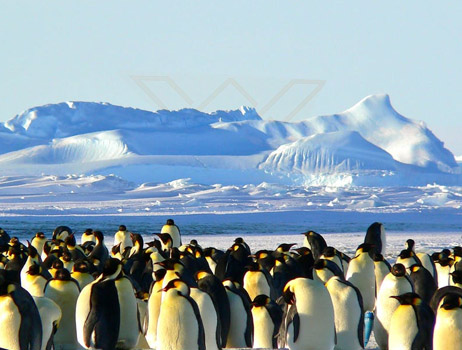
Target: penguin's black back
(104, 316)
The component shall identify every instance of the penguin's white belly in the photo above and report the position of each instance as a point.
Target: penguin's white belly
(347, 314)
(362, 275)
(153, 315)
(403, 328)
(177, 327)
(50, 313)
(238, 324)
(443, 275)
(448, 330)
(129, 326)
(82, 311)
(263, 328)
(209, 317)
(391, 286)
(317, 324)
(65, 295)
(255, 283)
(10, 322)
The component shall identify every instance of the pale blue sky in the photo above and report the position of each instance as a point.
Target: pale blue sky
(90, 50)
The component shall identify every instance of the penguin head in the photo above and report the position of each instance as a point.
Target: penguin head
(61, 232)
(253, 266)
(261, 300)
(34, 270)
(165, 238)
(329, 252)
(287, 293)
(155, 244)
(408, 299)
(81, 266)
(456, 276)
(170, 222)
(66, 257)
(40, 235)
(137, 239)
(122, 228)
(398, 270)
(57, 264)
(98, 236)
(406, 254)
(364, 248)
(178, 285)
(31, 251)
(320, 264)
(194, 243)
(63, 275)
(112, 268)
(14, 242)
(303, 251)
(70, 240)
(159, 274)
(451, 301)
(415, 268)
(409, 245)
(378, 257)
(285, 247)
(6, 287)
(171, 264)
(88, 232)
(457, 251)
(201, 275)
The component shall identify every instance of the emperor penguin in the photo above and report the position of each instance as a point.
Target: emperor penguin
(447, 334)
(397, 282)
(212, 255)
(241, 325)
(376, 237)
(64, 291)
(100, 253)
(258, 281)
(61, 232)
(267, 319)
(129, 322)
(87, 236)
(81, 273)
(210, 319)
(38, 242)
(429, 264)
(34, 281)
(315, 242)
(166, 241)
(324, 269)
(423, 282)
(361, 272)
(50, 315)
(411, 325)
(154, 302)
(348, 312)
(214, 287)
(97, 317)
(443, 264)
(20, 323)
(180, 324)
(408, 258)
(123, 237)
(309, 323)
(174, 232)
(331, 254)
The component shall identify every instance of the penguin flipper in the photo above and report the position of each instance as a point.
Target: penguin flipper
(294, 319)
(50, 344)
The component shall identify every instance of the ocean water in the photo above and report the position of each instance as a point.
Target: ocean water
(277, 224)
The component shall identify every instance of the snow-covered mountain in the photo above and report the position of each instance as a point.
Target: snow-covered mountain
(368, 140)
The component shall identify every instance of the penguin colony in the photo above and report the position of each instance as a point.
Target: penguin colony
(58, 294)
